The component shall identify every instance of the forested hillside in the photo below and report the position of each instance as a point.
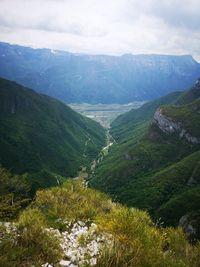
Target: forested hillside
(155, 165)
(42, 135)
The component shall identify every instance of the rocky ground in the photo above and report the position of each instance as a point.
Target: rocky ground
(81, 244)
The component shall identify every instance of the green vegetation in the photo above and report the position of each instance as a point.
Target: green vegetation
(189, 95)
(40, 134)
(154, 170)
(72, 202)
(139, 242)
(28, 243)
(42, 141)
(123, 127)
(135, 240)
(14, 194)
(188, 115)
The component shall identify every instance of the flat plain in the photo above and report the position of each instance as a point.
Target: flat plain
(104, 113)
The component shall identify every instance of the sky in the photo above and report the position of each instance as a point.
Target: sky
(111, 27)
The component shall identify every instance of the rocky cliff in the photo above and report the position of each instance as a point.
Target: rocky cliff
(169, 126)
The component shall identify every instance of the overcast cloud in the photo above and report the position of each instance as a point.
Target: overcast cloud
(104, 26)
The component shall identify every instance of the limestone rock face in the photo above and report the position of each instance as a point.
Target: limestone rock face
(165, 124)
(168, 126)
(81, 244)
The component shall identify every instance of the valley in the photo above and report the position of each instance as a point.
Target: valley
(91, 174)
(155, 163)
(97, 181)
(41, 136)
(99, 133)
(104, 113)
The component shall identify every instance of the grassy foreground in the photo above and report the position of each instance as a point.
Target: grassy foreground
(136, 240)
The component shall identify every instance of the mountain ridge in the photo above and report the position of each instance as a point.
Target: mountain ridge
(41, 133)
(97, 78)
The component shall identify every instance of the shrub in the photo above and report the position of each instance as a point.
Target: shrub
(72, 201)
(140, 243)
(29, 243)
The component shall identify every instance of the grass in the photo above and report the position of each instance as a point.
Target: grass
(131, 232)
(188, 115)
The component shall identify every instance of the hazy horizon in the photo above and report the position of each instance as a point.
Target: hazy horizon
(103, 28)
(100, 54)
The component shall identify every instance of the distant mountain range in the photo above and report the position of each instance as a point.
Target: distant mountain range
(97, 79)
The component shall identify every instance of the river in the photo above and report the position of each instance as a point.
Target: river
(104, 151)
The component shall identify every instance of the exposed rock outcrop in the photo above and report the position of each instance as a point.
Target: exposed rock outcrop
(167, 125)
(81, 244)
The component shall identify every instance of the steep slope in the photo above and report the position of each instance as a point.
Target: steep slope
(156, 167)
(40, 133)
(180, 120)
(97, 79)
(189, 95)
(124, 126)
(14, 194)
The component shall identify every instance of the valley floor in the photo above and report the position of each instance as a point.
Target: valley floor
(104, 113)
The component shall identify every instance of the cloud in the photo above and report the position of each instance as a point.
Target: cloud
(104, 27)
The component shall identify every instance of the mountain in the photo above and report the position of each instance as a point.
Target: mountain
(41, 134)
(189, 95)
(125, 124)
(97, 79)
(155, 164)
